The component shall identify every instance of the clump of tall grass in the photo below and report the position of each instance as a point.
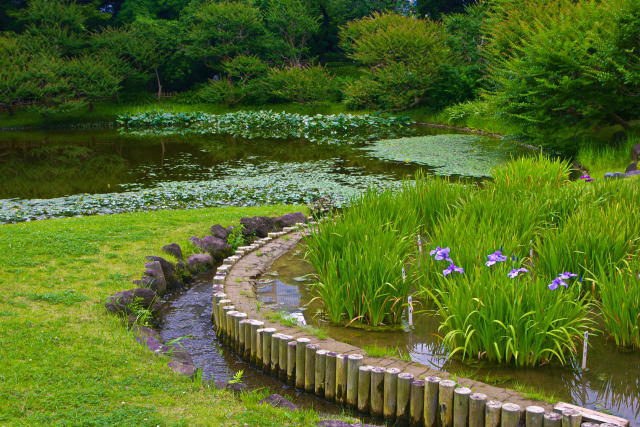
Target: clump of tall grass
(359, 254)
(517, 320)
(619, 289)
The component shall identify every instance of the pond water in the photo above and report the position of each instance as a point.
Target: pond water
(611, 382)
(57, 173)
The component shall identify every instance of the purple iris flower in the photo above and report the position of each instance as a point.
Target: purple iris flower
(516, 271)
(556, 282)
(566, 275)
(587, 178)
(495, 257)
(452, 267)
(440, 254)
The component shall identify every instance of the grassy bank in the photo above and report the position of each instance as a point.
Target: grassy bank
(64, 360)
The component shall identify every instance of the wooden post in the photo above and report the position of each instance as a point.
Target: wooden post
(534, 416)
(228, 336)
(416, 405)
(476, 409)
(571, 418)
(404, 396)
(266, 348)
(301, 350)
(364, 388)
(461, 406)
(215, 311)
(492, 412)
(247, 340)
(330, 376)
(552, 419)
(445, 402)
(310, 367)
(390, 392)
(431, 391)
(220, 326)
(239, 346)
(291, 362)
(283, 354)
(353, 364)
(223, 319)
(274, 364)
(259, 358)
(243, 344)
(377, 391)
(255, 325)
(511, 415)
(320, 372)
(341, 378)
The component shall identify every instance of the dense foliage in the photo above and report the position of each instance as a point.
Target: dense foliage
(513, 267)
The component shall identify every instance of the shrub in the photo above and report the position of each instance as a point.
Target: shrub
(303, 84)
(561, 67)
(244, 82)
(403, 56)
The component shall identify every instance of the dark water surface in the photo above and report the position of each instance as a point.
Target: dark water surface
(188, 314)
(611, 382)
(56, 163)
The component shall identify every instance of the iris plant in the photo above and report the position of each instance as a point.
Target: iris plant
(495, 257)
(440, 254)
(452, 267)
(560, 280)
(587, 178)
(516, 271)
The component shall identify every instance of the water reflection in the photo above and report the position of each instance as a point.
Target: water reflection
(611, 382)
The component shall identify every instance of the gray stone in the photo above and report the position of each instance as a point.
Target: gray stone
(169, 270)
(200, 262)
(278, 401)
(635, 152)
(181, 362)
(154, 277)
(632, 167)
(614, 175)
(290, 219)
(219, 231)
(258, 226)
(121, 302)
(217, 247)
(173, 249)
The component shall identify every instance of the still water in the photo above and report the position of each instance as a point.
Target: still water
(611, 382)
(55, 173)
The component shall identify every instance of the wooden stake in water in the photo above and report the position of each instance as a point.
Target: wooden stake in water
(584, 350)
(410, 310)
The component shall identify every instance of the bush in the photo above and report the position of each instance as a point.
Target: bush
(560, 68)
(245, 82)
(403, 55)
(303, 84)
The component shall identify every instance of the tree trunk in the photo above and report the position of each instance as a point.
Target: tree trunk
(619, 120)
(159, 84)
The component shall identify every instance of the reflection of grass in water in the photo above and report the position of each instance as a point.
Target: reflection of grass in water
(534, 394)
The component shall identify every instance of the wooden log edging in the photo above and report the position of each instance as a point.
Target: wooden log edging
(408, 393)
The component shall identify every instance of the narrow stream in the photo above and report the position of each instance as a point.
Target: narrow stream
(188, 314)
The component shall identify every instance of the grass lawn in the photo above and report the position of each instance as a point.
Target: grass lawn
(65, 361)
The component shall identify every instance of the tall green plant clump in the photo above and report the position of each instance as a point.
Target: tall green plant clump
(561, 67)
(514, 267)
(359, 254)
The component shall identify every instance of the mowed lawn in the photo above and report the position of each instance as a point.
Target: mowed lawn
(65, 361)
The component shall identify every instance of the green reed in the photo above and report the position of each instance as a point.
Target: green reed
(619, 289)
(520, 321)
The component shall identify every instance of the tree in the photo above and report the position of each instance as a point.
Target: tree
(435, 9)
(562, 68)
(216, 32)
(404, 56)
(290, 20)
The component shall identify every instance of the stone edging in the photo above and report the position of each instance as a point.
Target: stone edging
(406, 391)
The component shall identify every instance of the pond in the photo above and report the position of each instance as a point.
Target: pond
(611, 382)
(57, 173)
